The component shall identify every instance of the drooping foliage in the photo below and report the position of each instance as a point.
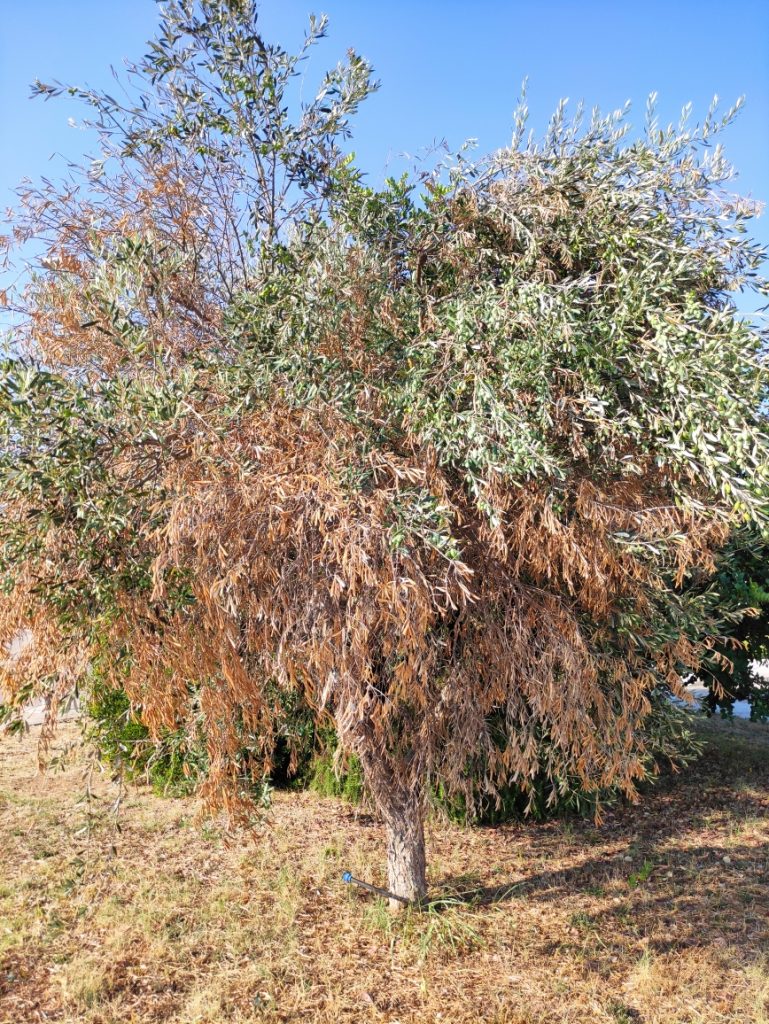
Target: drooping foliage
(435, 456)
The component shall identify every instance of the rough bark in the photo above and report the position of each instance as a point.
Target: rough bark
(398, 795)
(405, 850)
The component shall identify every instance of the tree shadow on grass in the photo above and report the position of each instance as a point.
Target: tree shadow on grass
(686, 867)
(673, 897)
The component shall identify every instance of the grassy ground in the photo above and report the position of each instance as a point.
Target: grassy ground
(660, 915)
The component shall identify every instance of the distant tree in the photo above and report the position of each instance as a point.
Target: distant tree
(737, 598)
(437, 456)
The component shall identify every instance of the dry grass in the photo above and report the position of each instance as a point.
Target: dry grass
(641, 919)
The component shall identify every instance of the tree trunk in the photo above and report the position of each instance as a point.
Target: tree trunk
(405, 850)
(401, 805)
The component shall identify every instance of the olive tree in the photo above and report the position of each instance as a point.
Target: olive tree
(438, 455)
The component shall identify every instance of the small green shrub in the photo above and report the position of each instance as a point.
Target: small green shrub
(295, 741)
(642, 875)
(172, 764)
(175, 762)
(327, 780)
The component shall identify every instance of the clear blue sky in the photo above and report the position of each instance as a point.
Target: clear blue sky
(449, 69)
